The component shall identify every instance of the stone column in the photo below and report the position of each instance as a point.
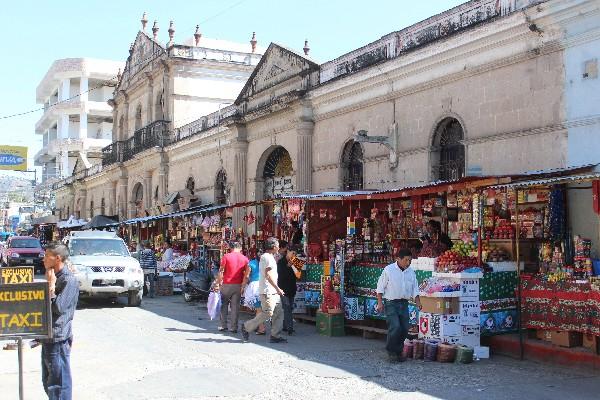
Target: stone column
(123, 187)
(82, 194)
(150, 114)
(112, 198)
(163, 181)
(304, 136)
(168, 90)
(148, 190)
(239, 146)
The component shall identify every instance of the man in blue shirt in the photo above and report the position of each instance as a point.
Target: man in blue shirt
(149, 265)
(56, 352)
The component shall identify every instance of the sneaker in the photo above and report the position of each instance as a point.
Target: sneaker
(290, 332)
(223, 329)
(245, 334)
(278, 340)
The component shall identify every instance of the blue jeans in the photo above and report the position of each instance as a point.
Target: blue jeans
(56, 370)
(150, 283)
(396, 314)
(287, 303)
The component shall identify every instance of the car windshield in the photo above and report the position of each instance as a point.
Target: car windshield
(98, 247)
(25, 244)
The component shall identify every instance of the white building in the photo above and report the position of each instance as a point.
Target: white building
(77, 118)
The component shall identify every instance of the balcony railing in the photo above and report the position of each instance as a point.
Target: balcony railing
(203, 124)
(153, 135)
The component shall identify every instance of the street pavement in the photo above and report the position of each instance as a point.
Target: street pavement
(169, 349)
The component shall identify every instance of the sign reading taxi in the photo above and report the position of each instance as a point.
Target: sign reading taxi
(13, 158)
(12, 275)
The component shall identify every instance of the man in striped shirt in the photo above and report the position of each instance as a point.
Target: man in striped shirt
(149, 265)
(56, 352)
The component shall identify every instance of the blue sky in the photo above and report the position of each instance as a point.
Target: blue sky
(35, 33)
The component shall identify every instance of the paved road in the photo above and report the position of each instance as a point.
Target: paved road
(164, 351)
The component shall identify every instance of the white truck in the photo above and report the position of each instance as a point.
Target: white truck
(104, 267)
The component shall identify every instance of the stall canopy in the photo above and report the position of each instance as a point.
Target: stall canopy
(102, 221)
(47, 220)
(72, 222)
(189, 211)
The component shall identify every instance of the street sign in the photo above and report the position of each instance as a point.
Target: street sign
(12, 275)
(13, 158)
(25, 311)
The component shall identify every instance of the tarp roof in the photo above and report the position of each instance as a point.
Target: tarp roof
(101, 221)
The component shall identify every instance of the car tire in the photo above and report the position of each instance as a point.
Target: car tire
(134, 299)
(187, 297)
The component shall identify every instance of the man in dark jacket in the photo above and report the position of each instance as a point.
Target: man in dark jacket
(286, 280)
(56, 352)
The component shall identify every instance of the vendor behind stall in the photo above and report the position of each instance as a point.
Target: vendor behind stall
(435, 242)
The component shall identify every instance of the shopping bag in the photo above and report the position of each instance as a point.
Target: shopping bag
(214, 304)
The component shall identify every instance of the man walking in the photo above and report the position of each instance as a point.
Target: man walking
(149, 266)
(270, 295)
(286, 280)
(56, 352)
(233, 276)
(397, 284)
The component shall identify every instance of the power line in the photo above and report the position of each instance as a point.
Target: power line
(109, 81)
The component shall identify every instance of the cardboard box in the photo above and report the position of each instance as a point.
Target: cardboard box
(330, 324)
(567, 338)
(437, 326)
(481, 352)
(591, 342)
(440, 305)
(470, 312)
(470, 335)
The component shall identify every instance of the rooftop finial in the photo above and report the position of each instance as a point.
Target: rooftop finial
(171, 33)
(155, 29)
(306, 48)
(119, 75)
(131, 49)
(197, 35)
(144, 21)
(253, 42)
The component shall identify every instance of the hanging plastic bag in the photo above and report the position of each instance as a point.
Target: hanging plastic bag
(214, 304)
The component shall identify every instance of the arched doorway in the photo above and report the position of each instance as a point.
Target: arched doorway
(138, 199)
(221, 187)
(102, 207)
(190, 185)
(448, 153)
(91, 209)
(278, 174)
(352, 166)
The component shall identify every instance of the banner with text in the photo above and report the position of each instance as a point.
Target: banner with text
(25, 310)
(13, 158)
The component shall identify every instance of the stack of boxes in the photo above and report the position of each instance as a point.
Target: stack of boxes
(452, 317)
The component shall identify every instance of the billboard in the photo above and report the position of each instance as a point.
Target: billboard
(13, 158)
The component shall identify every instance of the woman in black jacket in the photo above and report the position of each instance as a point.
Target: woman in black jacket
(286, 280)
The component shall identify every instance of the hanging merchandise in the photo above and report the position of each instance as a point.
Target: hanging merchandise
(557, 214)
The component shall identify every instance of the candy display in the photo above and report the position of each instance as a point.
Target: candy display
(451, 261)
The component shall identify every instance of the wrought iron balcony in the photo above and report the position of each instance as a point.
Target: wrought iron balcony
(155, 134)
(203, 124)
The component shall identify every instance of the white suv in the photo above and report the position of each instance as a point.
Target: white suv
(104, 267)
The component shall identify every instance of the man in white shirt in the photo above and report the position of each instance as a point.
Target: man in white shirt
(270, 295)
(397, 285)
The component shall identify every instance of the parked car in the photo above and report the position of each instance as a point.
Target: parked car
(104, 266)
(23, 250)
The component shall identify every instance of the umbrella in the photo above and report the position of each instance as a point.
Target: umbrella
(101, 221)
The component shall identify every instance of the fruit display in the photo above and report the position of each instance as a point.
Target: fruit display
(503, 231)
(452, 261)
(464, 249)
(492, 253)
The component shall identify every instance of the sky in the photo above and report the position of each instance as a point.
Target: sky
(35, 33)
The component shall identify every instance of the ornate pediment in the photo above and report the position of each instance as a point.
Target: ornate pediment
(277, 65)
(145, 51)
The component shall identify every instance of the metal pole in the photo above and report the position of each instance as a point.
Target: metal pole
(519, 301)
(20, 355)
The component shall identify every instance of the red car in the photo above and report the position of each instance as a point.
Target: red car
(23, 251)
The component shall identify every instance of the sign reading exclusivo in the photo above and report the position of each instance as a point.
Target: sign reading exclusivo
(13, 158)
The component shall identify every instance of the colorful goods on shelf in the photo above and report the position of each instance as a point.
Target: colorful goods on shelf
(438, 285)
(582, 267)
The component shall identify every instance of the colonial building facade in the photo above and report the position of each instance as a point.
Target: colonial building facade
(479, 89)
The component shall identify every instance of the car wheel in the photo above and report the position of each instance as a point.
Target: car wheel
(187, 297)
(134, 299)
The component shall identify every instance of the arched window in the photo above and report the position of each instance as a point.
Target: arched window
(352, 166)
(138, 117)
(221, 187)
(158, 108)
(448, 153)
(102, 207)
(278, 173)
(156, 194)
(190, 185)
(138, 198)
